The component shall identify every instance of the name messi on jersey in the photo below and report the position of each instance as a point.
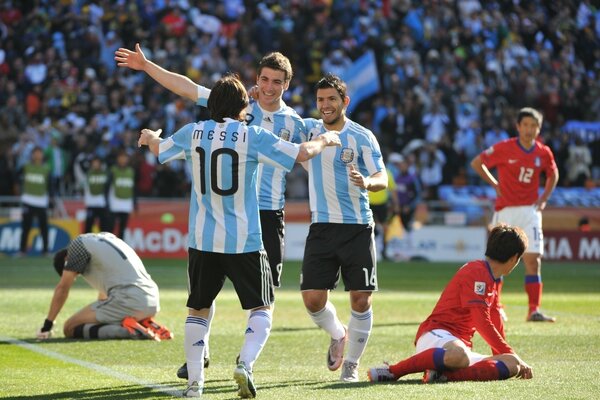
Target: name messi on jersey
(221, 136)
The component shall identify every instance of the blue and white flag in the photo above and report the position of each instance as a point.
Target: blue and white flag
(362, 80)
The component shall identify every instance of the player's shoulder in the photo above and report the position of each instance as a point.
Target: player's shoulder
(474, 268)
(358, 130)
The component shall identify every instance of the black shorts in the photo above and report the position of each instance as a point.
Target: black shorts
(380, 212)
(249, 273)
(273, 230)
(334, 248)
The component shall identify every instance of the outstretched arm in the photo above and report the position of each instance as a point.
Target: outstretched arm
(150, 138)
(176, 83)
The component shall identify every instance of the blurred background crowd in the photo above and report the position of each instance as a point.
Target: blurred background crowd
(453, 74)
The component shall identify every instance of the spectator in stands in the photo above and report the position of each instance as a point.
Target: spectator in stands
(36, 199)
(578, 163)
(95, 191)
(122, 197)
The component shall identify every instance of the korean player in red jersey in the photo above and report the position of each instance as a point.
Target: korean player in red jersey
(467, 304)
(519, 163)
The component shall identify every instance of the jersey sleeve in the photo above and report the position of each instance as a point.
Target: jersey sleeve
(493, 155)
(484, 326)
(299, 135)
(78, 257)
(475, 289)
(176, 147)
(203, 94)
(371, 155)
(274, 151)
(550, 167)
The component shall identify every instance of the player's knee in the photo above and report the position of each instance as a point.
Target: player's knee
(313, 301)
(511, 363)
(360, 301)
(456, 357)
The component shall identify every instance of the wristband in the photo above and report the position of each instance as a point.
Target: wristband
(47, 325)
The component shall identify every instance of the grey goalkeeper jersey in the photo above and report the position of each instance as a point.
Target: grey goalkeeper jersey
(106, 262)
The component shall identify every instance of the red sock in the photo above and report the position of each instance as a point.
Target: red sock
(486, 370)
(533, 287)
(428, 359)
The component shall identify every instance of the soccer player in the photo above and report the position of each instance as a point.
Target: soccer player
(35, 198)
(224, 227)
(269, 112)
(340, 238)
(519, 162)
(467, 304)
(127, 296)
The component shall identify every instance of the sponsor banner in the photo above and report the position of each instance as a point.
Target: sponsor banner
(571, 246)
(60, 233)
(152, 239)
(433, 243)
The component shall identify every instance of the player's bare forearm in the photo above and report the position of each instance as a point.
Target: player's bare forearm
(176, 83)
(483, 172)
(150, 138)
(314, 147)
(61, 294)
(551, 183)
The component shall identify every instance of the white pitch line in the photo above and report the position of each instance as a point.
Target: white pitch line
(95, 367)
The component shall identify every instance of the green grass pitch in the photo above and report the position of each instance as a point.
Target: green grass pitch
(565, 355)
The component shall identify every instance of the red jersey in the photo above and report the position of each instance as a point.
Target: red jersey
(465, 307)
(518, 170)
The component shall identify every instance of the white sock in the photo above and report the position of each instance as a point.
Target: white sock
(195, 335)
(359, 330)
(257, 333)
(327, 319)
(211, 314)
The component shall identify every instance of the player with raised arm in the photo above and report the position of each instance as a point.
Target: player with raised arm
(467, 304)
(224, 227)
(519, 163)
(269, 112)
(341, 239)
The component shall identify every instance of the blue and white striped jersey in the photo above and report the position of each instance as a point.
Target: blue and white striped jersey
(286, 124)
(224, 159)
(333, 198)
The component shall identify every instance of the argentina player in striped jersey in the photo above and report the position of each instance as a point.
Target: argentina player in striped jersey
(270, 112)
(224, 228)
(341, 238)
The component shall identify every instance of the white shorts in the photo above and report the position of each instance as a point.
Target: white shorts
(439, 337)
(527, 218)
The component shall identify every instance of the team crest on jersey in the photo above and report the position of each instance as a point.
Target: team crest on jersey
(479, 288)
(537, 162)
(489, 150)
(285, 134)
(249, 118)
(347, 155)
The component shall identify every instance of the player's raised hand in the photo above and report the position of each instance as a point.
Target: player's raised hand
(131, 59)
(147, 135)
(357, 178)
(331, 138)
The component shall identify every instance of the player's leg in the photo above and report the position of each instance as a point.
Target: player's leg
(320, 273)
(206, 277)
(273, 230)
(436, 350)
(250, 274)
(42, 216)
(26, 221)
(359, 273)
(90, 216)
(87, 315)
(489, 369)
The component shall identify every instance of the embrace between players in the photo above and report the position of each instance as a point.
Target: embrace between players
(344, 162)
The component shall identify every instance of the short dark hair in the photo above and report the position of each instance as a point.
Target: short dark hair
(59, 261)
(505, 241)
(334, 82)
(530, 112)
(227, 98)
(276, 61)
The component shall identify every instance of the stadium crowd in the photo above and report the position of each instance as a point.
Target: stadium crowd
(453, 74)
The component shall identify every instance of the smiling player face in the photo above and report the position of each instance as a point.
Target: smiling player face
(331, 107)
(271, 85)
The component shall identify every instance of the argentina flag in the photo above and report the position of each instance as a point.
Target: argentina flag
(362, 80)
